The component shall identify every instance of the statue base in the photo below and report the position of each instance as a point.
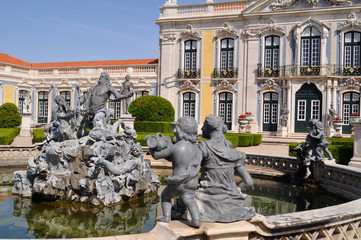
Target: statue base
(330, 132)
(282, 131)
(355, 162)
(25, 125)
(128, 120)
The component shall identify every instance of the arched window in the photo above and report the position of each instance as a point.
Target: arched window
(350, 105)
(270, 111)
(67, 96)
(189, 104)
(310, 51)
(43, 107)
(225, 108)
(352, 53)
(190, 55)
(271, 59)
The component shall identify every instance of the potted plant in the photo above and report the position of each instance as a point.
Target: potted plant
(249, 116)
(337, 125)
(354, 117)
(242, 121)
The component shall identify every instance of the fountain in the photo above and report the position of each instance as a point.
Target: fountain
(100, 167)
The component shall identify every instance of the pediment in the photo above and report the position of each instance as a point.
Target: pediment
(24, 85)
(294, 5)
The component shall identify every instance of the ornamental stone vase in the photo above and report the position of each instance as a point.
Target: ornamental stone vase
(242, 122)
(337, 125)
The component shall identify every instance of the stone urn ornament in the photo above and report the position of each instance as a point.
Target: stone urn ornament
(337, 124)
(249, 116)
(242, 122)
(354, 117)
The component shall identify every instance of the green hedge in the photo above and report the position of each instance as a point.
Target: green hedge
(38, 135)
(243, 140)
(341, 149)
(7, 135)
(153, 127)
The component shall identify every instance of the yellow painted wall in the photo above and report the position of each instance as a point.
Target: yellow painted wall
(206, 101)
(9, 94)
(208, 54)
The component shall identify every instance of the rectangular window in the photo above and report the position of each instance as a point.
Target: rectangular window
(355, 97)
(229, 112)
(274, 96)
(230, 60)
(274, 113)
(222, 111)
(315, 52)
(187, 61)
(194, 61)
(266, 110)
(275, 58)
(355, 108)
(223, 60)
(267, 96)
(356, 56)
(301, 111)
(186, 109)
(118, 110)
(347, 97)
(347, 56)
(346, 113)
(268, 63)
(192, 110)
(305, 52)
(315, 111)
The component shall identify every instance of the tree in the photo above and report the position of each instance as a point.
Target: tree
(9, 116)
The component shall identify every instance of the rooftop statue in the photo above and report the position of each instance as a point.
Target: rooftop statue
(102, 168)
(186, 159)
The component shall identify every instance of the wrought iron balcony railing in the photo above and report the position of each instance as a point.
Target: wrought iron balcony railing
(189, 74)
(226, 73)
(296, 71)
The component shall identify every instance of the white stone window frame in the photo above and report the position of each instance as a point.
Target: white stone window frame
(342, 91)
(182, 51)
(219, 48)
(24, 86)
(262, 91)
(280, 49)
(196, 109)
(342, 33)
(324, 33)
(42, 87)
(216, 98)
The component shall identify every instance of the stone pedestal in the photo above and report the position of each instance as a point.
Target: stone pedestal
(282, 131)
(254, 127)
(330, 132)
(25, 125)
(356, 159)
(128, 120)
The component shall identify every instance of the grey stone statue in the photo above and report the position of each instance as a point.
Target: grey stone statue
(218, 197)
(98, 96)
(284, 115)
(312, 149)
(331, 114)
(127, 87)
(186, 159)
(104, 167)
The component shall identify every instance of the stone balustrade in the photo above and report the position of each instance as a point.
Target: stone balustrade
(12, 155)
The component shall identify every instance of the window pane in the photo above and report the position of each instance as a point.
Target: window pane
(306, 32)
(276, 41)
(224, 43)
(315, 32)
(222, 96)
(223, 60)
(274, 96)
(222, 111)
(194, 44)
(305, 52)
(356, 56)
(274, 113)
(230, 59)
(347, 56)
(267, 63)
(266, 110)
(193, 96)
(356, 37)
(267, 96)
(348, 37)
(275, 58)
(269, 41)
(194, 61)
(355, 97)
(315, 111)
(188, 45)
(187, 61)
(186, 96)
(346, 97)
(301, 113)
(231, 43)
(315, 52)
(229, 96)
(346, 113)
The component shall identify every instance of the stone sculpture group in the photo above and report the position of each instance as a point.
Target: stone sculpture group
(215, 197)
(86, 159)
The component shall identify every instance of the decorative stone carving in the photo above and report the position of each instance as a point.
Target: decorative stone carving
(350, 83)
(284, 116)
(190, 33)
(299, 28)
(339, 2)
(168, 37)
(227, 30)
(188, 85)
(283, 4)
(225, 85)
(270, 84)
(311, 2)
(270, 28)
(351, 22)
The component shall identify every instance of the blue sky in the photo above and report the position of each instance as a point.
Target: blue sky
(80, 30)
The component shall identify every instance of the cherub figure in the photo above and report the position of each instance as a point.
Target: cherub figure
(186, 159)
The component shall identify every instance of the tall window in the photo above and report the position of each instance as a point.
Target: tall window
(67, 96)
(225, 108)
(352, 53)
(43, 107)
(141, 94)
(189, 104)
(21, 101)
(227, 53)
(190, 55)
(310, 47)
(272, 45)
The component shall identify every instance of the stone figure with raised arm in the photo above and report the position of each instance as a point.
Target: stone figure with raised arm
(186, 159)
(284, 115)
(126, 89)
(331, 114)
(95, 103)
(219, 198)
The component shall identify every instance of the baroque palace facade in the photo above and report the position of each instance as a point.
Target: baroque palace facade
(229, 58)
(33, 86)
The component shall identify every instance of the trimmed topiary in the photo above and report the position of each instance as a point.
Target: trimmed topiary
(146, 126)
(9, 116)
(152, 108)
(38, 135)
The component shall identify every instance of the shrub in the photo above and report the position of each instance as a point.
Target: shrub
(38, 135)
(152, 108)
(9, 116)
(146, 126)
(243, 140)
(7, 135)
